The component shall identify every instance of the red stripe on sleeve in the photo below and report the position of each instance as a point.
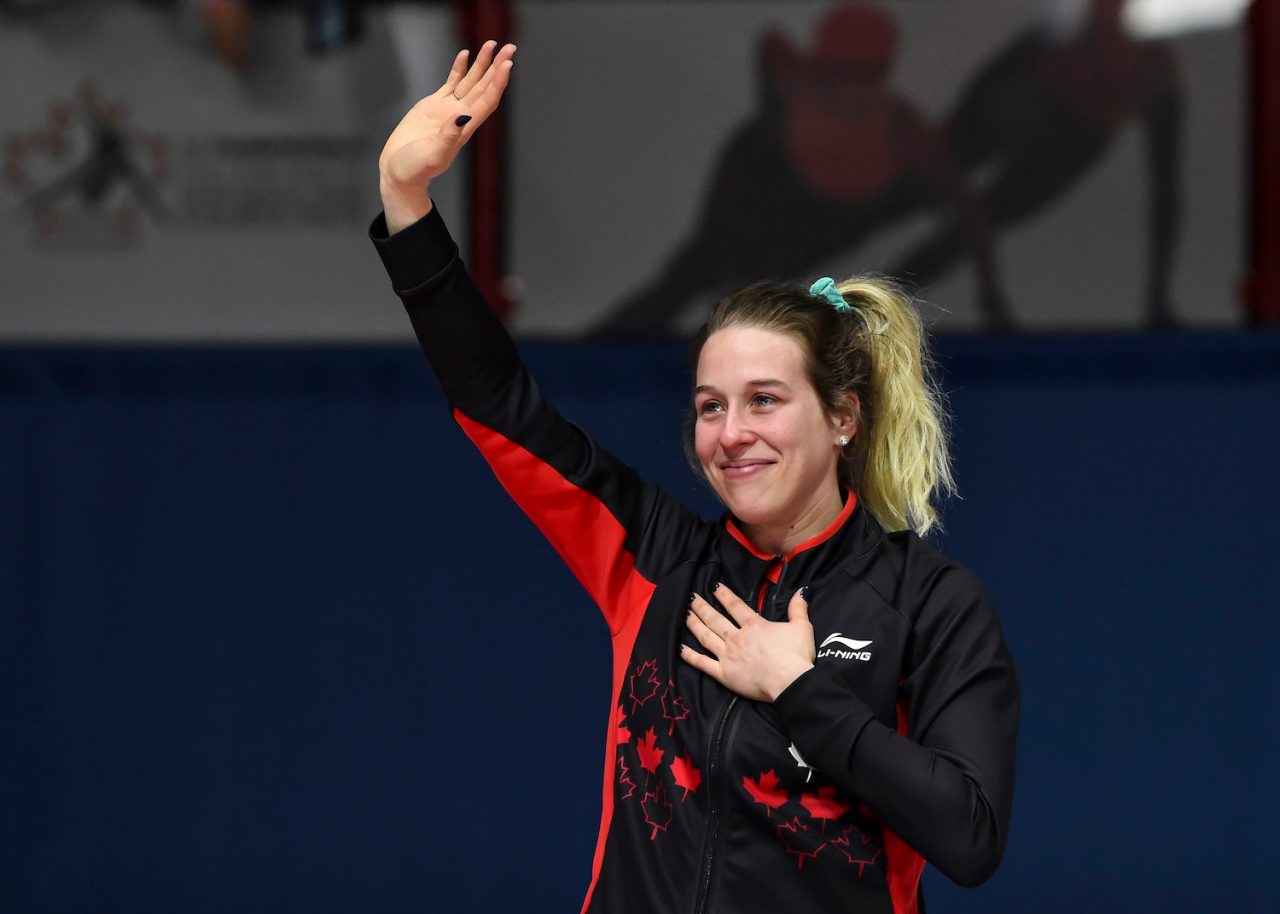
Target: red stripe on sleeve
(623, 643)
(905, 865)
(583, 531)
(590, 540)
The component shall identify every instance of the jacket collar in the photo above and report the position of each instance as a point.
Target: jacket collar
(747, 570)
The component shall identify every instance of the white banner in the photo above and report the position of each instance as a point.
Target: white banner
(154, 190)
(1049, 165)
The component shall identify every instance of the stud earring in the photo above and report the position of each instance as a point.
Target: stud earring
(844, 439)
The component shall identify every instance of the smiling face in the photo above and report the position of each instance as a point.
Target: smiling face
(763, 439)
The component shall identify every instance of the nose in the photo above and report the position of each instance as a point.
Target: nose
(736, 432)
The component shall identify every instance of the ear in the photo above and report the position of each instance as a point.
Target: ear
(845, 422)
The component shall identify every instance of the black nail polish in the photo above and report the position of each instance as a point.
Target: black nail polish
(804, 593)
(462, 120)
(693, 596)
(719, 584)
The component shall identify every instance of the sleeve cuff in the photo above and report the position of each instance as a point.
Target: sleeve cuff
(818, 707)
(416, 253)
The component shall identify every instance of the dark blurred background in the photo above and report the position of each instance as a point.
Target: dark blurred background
(273, 639)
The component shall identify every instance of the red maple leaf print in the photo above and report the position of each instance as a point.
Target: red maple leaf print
(857, 848)
(673, 709)
(650, 754)
(824, 805)
(624, 732)
(644, 683)
(766, 790)
(686, 775)
(657, 809)
(624, 778)
(799, 840)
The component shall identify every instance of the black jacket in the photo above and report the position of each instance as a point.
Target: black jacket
(895, 749)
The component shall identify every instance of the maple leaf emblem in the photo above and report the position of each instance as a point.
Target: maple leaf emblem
(623, 734)
(624, 778)
(650, 754)
(673, 709)
(799, 840)
(857, 847)
(657, 809)
(686, 775)
(766, 790)
(824, 805)
(644, 683)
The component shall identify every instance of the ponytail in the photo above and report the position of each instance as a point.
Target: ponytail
(904, 453)
(861, 337)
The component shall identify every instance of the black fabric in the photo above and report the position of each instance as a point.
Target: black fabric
(792, 799)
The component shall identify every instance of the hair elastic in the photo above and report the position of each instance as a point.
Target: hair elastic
(826, 288)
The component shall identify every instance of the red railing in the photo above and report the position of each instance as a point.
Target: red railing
(1261, 287)
(479, 20)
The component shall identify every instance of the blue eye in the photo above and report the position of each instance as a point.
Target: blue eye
(709, 407)
(763, 400)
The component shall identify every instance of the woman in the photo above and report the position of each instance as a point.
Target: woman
(805, 707)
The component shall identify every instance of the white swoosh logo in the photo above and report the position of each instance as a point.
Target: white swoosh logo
(847, 642)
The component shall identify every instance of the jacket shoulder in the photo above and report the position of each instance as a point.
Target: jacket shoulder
(910, 574)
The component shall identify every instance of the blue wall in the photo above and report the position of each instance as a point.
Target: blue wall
(273, 639)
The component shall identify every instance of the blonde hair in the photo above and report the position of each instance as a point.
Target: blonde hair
(898, 462)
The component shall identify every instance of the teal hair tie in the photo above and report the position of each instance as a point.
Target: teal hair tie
(826, 288)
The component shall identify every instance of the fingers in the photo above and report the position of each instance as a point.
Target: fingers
(708, 626)
(482, 103)
(702, 662)
(737, 609)
(481, 88)
(488, 92)
(798, 608)
(479, 67)
(711, 618)
(456, 72)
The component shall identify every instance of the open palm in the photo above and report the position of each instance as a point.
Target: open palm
(428, 138)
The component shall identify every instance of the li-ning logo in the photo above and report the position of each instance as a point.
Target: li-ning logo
(855, 648)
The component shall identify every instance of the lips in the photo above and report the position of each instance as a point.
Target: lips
(744, 468)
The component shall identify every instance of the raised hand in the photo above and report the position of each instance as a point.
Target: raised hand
(754, 657)
(428, 138)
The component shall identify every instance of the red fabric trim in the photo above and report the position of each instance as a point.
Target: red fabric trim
(623, 643)
(845, 512)
(905, 865)
(590, 540)
(744, 542)
(585, 532)
(817, 540)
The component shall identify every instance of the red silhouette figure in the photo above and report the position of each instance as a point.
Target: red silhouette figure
(832, 155)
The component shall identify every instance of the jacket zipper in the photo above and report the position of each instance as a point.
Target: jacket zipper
(713, 780)
(713, 794)
(777, 589)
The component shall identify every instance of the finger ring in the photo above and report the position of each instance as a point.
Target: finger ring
(455, 95)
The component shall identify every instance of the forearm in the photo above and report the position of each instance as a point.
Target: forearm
(466, 345)
(952, 805)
